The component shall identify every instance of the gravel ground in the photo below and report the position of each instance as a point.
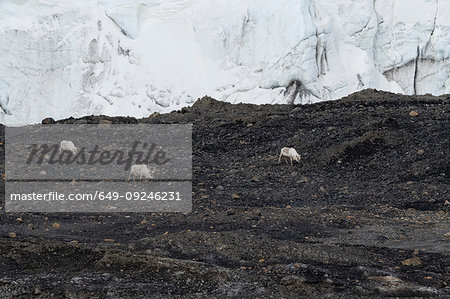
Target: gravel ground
(365, 212)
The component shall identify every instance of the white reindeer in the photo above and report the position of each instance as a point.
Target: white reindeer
(66, 145)
(141, 170)
(290, 153)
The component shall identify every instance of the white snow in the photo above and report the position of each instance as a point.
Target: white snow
(4, 97)
(124, 57)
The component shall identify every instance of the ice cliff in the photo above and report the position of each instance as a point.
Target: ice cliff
(124, 57)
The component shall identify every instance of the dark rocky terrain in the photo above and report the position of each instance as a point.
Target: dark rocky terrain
(365, 213)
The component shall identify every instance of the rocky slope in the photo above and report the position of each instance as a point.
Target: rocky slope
(363, 214)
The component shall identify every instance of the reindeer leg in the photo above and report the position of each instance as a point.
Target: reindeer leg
(279, 159)
(291, 162)
(128, 178)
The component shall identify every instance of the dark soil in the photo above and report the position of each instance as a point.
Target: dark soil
(369, 193)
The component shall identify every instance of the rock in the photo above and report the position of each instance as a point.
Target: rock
(415, 261)
(288, 207)
(420, 152)
(235, 196)
(207, 103)
(446, 203)
(108, 240)
(447, 235)
(144, 221)
(19, 219)
(295, 110)
(220, 188)
(292, 279)
(262, 261)
(304, 179)
(56, 225)
(81, 122)
(30, 226)
(48, 121)
(104, 123)
(12, 235)
(385, 278)
(254, 179)
(155, 114)
(367, 144)
(413, 113)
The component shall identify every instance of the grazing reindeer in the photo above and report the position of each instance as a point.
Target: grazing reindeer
(67, 146)
(290, 153)
(142, 171)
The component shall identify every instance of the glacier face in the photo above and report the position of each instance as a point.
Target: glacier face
(125, 57)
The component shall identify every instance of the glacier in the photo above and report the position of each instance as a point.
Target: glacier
(124, 57)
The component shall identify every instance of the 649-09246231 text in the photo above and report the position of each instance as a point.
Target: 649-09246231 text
(98, 195)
